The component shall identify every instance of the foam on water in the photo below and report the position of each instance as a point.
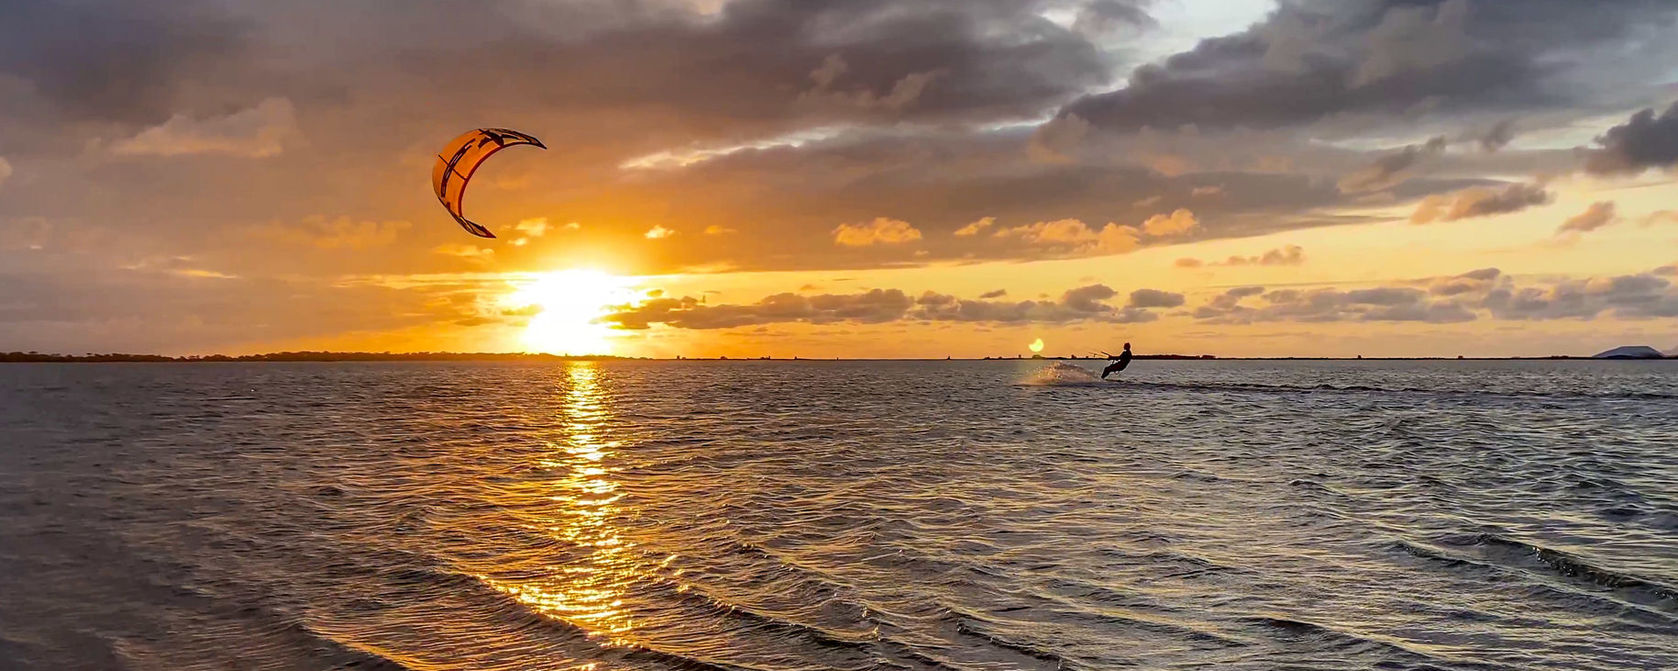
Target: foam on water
(1061, 373)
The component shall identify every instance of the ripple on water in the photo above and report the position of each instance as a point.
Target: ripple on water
(836, 515)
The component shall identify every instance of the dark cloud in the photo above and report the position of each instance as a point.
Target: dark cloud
(114, 60)
(1399, 304)
(884, 305)
(1154, 298)
(1105, 16)
(1458, 298)
(995, 293)
(1496, 137)
(1645, 141)
(1313, 59)
(1474, 281)
(1387, 171)
(1640, 296)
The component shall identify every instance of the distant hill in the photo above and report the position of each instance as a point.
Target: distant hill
(1631, 352)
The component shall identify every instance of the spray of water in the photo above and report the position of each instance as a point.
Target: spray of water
(1060, 373)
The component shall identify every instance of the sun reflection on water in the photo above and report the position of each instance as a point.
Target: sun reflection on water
(586, 587)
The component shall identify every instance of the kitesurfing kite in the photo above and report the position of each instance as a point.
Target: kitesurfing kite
(460, 158)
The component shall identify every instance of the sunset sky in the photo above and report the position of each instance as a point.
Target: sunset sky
(843, 177)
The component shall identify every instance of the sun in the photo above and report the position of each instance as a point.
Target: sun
(567, 305)
(1036, 345)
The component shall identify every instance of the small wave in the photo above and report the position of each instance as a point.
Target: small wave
(1347, 643)
(1574, 567)
(1060, 374)
(970, 626)
(1359, 388)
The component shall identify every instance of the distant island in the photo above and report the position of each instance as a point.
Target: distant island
(1637, 352)
(1631, 352)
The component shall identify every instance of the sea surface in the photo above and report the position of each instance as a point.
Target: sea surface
(770, 516)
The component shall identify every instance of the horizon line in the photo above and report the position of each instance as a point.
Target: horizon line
(327, 356)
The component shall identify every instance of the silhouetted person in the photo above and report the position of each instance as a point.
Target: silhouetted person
(1119, 362)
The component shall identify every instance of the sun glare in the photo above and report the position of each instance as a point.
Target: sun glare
(570, 302)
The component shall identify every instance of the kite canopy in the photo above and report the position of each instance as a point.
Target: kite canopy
(460, 158)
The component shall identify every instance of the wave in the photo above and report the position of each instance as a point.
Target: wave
(1576, 568)
(1347, 643)
(1634, 598)
(1358, 388)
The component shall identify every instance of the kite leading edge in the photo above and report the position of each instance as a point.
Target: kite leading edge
(460, 158)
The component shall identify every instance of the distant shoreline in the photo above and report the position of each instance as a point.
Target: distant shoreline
(368, 357)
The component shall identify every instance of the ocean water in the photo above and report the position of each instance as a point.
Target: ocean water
(840, 515)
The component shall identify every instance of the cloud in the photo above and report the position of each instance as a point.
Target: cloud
(1645, 295)
(1474, 281)
(1086, 303)
(1106, 16)
(337, 233)
(658, 233)
(1387, 304)
(714, 229)
(976, 227)
(1187, 262)
(1057, 140)
(994, 293)
(1313, 61)
(1072, 235)
(258, 132)
(1415, 39)
(472, 252)
(881, 230)
(1177, 223)
(1389, 170)
(1214, 190)
(5, 170)
(1486, 292)
(1291, 255)
(534, 228)
(1645, 141)
(903, 92)
(1480, 202)
(1599, 214)
(1154, 298)
(1661, 217)
(1496, 137)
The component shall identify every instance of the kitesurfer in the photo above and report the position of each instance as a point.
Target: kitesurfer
(1120, 361)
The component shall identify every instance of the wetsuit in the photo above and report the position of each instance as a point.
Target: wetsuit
(1123, 360)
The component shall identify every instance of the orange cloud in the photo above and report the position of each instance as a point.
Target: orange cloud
(1599, 214)
(1073, 233)
(1479, 202)
(340, 233)
(976, 227)
(1177, 223)
(465, 251)
(880, 231)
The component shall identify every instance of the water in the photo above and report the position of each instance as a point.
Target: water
(828, 515)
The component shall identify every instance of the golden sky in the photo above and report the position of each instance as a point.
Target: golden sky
(757, 178)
